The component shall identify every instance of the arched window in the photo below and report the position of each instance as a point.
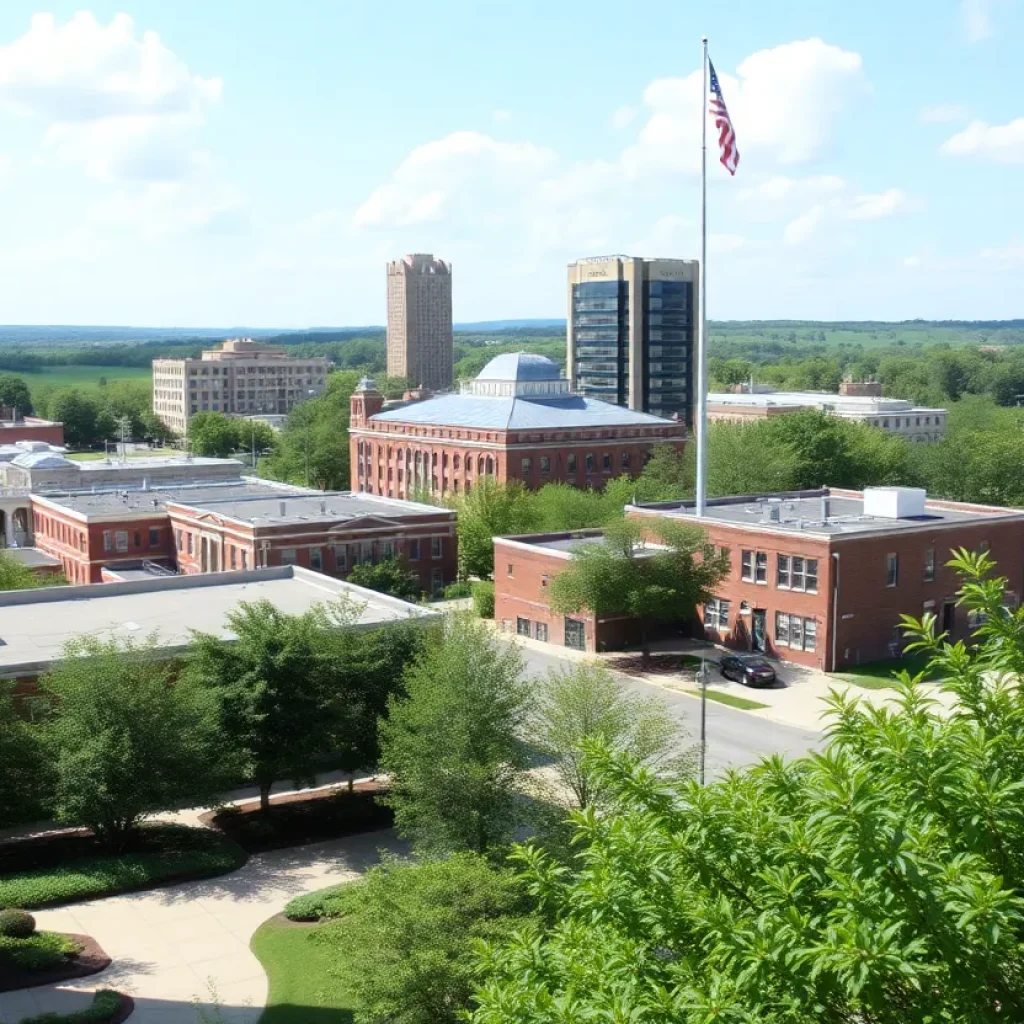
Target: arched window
(455, 462)
(490, 465)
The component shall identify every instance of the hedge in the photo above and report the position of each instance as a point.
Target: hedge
(323, 904)
(483, 599)
(105, 1005)
(185, 853)
(37, 952)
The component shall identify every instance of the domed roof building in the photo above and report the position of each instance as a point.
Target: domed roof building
(518, 419)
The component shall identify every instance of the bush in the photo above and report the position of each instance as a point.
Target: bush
(16, 924)
(173, 853)
(37, 952)
(483, 599)
(334, 901)
(461, 588)
(105, 1004)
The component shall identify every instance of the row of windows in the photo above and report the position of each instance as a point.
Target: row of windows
(540, 629)
(117, 540)
(792, 572)
(796, 632)
(590, 461)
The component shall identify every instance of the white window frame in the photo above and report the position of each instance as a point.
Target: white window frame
(892, 569)
(761, 568)
(747, 566)
(781, 629)
(783, 572)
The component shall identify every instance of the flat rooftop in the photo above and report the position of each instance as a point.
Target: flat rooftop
(323, 507)
(36, 624)
(33, 558)
(566, 543)
(145, 463)
(801, 512)
(868, 405)
(156, 499)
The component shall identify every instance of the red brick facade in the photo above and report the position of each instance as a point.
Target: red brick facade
(398, 459)
(31, 428)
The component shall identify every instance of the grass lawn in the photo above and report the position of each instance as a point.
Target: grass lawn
(743, 703)
(84, 377)
(148, 453)
(304, 986)
(878, 675)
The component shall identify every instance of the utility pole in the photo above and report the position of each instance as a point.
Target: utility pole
(125, 424)
(703, 716)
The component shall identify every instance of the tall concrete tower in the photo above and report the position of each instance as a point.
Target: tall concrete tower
(420, 321)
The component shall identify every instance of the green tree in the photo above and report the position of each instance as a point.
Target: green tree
(490, 510)
(451, 745)
(14, 575)
(124, 740)
(744, 458)
(389, 576)
(213, 434)
(625, 575)
(416, 925)
(583, 703)
(14, 393)
(878, 880)
(276, 688)
(78, 413)
(24, 768)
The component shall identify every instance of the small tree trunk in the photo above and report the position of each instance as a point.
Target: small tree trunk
(264, 798)
(351, 782)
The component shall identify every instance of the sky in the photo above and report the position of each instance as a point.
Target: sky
(248, 162)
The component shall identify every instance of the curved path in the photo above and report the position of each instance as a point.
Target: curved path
(175, 949)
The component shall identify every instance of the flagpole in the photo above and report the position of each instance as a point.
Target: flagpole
(702, 329)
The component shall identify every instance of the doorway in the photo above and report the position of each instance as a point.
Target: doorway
(759, 627)
(575, 634)
(948, 616)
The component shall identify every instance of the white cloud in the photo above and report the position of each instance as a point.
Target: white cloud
(977, 19)
(882, 204)
(1003, 143)
(780, 190)
(119, 103)
(501, 115)
(1009, 256)
(911, 262)
(623, 117)
(943, 113)
(784, 103)
(449, 172)
(163, 210)
(800, 230)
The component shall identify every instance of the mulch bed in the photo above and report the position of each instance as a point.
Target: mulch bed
(91, 960)
(297, 819)
(632, 664)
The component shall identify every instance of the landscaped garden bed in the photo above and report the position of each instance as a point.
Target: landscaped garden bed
(296, 819)
(108, 1007)
(632, 663)
(67, 866)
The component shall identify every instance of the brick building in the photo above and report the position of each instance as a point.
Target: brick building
(328, 532)
(817, 577)
(518, 420)
(14, 428)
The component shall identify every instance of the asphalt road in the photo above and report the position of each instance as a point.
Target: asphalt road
(734, 737)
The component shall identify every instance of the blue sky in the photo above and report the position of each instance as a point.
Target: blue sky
(219, 163)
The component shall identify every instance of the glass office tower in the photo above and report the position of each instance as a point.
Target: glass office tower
(631, 334)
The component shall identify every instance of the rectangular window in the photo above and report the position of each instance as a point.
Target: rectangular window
(810, 634)
(747, 565)
(435, 547)
(121, 537)
(716, 615)
(892, 569)
(783, 579)
(544, 580)
(606, 462)
(540, 631)
(796, 632)
(287, 556)
(522, 626)
(387, 549)
(545, 463)
(414, 550)
(929, 565)
(154, 536)
(811, 575)
(510, 570)
(570, 462)
(234, 556)
(527, 467)
(798, 573)
(316, 559)
(108, 540)
(340, 556)
(189, 536)
(761, 567)
(177, 539)
(591, 463)
(782, 629)
(625, 460)
(138, 539)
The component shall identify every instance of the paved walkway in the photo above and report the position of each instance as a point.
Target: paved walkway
(174, 948)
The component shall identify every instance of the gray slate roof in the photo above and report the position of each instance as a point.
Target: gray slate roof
(480, 412)
(519, 366)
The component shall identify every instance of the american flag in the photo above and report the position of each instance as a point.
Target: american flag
(730, 155)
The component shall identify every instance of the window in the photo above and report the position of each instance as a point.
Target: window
(796, 632)
(892, 569)
(625, 460)
(810, 634)
(138, 539)
(783, 578)
(316, 558)
(177, 539)
(340, 556)
(509, 570)
(606, 462)
(761, 567)
(522, 626)
(716, 615)
(570, 462)
(108, 540)
(287, 556)
(527, 467)
(798, 573)
(545, 463)
(414, 550)
(121, 537)
(435, 547)
(811, 575)
(782, 629)
(591, 463)
(544, 580)
(154, 536)
(189, 536)
(747, 565)
(540, 631)
(436, 581)
(387, 549)
(929, 565)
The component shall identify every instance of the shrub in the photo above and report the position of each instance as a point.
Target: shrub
(334, 901)
(16, 924)
(461, 588)
(105, 1004)
(483, 599)
(37, 952)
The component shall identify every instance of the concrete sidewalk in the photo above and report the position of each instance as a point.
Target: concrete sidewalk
(174, 948)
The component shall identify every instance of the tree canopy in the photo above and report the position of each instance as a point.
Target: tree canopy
(389, 576)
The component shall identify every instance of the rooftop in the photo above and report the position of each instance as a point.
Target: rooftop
(152, 462)
(33, 558)
(520, 366)
(103, 503)
(36, 624)
(565, 544)
(861, 404)
(303, 507)
(828, 512)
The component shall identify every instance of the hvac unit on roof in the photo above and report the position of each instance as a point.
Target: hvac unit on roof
(894, 502)
(771, 511)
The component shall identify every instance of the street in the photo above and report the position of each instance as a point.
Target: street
(734, 737)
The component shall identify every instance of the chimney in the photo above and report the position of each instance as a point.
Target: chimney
(281, 508)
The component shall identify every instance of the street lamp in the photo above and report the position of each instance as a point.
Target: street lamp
(703, 716)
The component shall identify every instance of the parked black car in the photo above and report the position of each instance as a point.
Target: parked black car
(748, 669)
